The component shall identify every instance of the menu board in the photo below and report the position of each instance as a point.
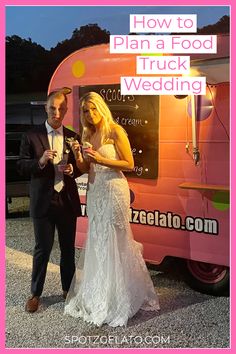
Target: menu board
(139, 116)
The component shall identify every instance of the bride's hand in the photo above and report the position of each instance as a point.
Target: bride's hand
(76, 148)
(95, 157)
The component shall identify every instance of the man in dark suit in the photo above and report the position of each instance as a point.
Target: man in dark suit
(54, 199)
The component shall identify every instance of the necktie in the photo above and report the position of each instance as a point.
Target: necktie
(58, 180)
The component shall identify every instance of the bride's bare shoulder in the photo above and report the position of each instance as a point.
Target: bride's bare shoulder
(116, 130)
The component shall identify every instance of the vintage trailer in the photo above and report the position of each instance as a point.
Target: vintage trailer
(180, 184)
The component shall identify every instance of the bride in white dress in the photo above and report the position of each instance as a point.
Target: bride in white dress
(114, 282)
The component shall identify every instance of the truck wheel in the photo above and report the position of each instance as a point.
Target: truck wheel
(208, 278)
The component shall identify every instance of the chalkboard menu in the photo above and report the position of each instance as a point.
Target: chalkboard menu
(139, 116)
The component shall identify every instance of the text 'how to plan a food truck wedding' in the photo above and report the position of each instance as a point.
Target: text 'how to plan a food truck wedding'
(163, 54)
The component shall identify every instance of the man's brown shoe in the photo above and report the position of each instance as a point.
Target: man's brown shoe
(32, 304)
(64, 294)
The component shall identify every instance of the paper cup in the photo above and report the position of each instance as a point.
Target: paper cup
(61, 167)
(86, 150)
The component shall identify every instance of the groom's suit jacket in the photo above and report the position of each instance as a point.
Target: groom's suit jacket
(33, 145)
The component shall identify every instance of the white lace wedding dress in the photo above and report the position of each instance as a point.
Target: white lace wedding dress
(114, 282)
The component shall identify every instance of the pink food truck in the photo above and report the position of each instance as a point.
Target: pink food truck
(179, 187)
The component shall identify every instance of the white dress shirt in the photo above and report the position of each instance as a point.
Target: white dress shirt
(60, 140)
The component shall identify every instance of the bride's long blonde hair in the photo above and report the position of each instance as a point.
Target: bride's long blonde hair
(104, 111)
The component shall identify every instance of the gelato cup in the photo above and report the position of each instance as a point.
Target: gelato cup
(86, 148)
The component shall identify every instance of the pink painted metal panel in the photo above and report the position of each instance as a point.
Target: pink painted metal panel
(168, 220)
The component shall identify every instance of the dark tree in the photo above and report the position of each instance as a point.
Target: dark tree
(26, 68)
(29, 66)
(222, 26)
(88, 35)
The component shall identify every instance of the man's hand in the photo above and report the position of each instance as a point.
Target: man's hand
(76, 148)
(69, 170)
(47, 155)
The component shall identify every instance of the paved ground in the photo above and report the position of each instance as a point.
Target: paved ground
(187, 319)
